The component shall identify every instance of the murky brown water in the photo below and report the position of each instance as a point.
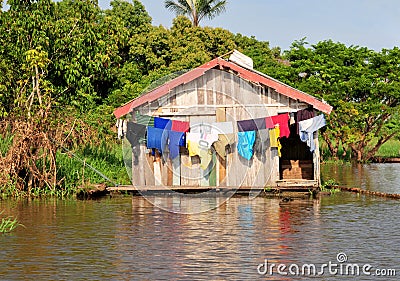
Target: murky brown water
(130, 239)
(376, 177)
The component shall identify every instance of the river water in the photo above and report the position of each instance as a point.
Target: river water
(128, 238)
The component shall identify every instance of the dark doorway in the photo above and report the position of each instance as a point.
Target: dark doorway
(296, 161)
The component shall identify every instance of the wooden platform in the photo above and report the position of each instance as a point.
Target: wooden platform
(284, 186)
(292, 183)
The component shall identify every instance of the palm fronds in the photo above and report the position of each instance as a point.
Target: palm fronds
(196, 10)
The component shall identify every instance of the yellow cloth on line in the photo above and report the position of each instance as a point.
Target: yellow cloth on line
(279, 149)
(273, 136)
(274, 139)
(193, 147)
(200, 144)
(206, 156)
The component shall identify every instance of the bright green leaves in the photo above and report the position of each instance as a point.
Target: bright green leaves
(25, 26)
(134, 16)
(159, 51)
(361, 85)
(36, 58)
(86, 50)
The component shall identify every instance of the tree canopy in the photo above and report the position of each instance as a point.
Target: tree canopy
(362, 85)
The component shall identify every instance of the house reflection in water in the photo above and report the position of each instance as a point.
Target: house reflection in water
(241, 233)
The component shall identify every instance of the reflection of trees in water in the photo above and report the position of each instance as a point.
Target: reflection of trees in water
(374, 177)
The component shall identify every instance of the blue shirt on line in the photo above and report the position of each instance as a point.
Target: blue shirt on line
(245, 144)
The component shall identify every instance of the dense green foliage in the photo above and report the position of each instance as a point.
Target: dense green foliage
(66, 65)
(362, 85)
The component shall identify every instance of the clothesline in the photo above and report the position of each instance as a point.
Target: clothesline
(160, 133)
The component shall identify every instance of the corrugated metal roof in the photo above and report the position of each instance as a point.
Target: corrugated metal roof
(247, 74)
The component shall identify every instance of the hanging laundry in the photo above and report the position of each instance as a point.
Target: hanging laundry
(303, 114)
(246, 125)
(260, 123)
(119, 126)
(157, 138)
(308, 127)
(305, 124)
(207, 140)
(251, 125)
(269, 124)
(145, 120)
(262, 142)
(124, 127)
(180, 126)
(274, 139)
(200, 144)
(279, 148)
(273, 136)
(192, 143)
(223, 141)
(283, 121)
(176, 140)
(162, 123)
(206, 156)
(222, 128)
(200, 128)
(245, 144)
(135, 133)
(203, 141)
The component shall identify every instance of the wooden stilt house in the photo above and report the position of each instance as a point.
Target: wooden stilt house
(227, 91)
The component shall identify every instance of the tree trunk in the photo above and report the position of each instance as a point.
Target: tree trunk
(357, 152)
(380, 142)
(333, 148)
(359, 156)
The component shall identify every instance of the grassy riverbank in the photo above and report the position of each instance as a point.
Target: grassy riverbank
(77, 168)
(389, 149)
(92, 165)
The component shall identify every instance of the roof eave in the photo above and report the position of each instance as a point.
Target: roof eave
(247, 74)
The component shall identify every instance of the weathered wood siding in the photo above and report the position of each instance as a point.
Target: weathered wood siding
(217, 96)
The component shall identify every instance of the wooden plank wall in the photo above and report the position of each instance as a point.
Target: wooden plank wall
(256, 172)
(216, 96)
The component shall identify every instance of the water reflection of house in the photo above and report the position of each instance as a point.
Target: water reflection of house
(224, 91)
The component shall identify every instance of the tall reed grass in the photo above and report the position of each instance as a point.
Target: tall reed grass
(105, 158)
(5, 143)
(72, 173)
(8, 224)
